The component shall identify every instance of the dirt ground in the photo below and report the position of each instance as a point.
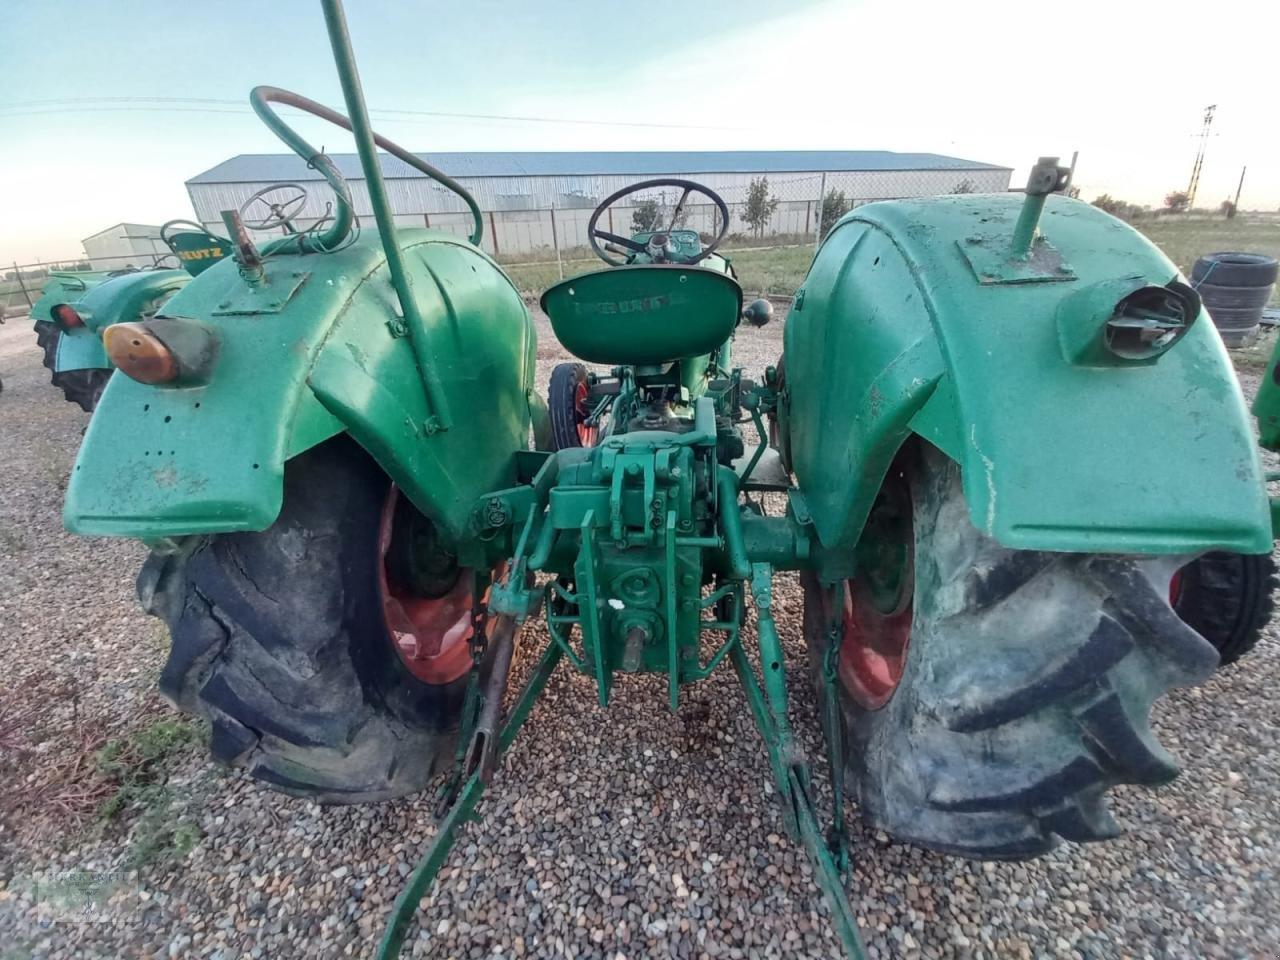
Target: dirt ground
(627, 833)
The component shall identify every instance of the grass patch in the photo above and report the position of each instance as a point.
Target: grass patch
(779, 270)
(1183, 240)
(139, 766)
(776, 270)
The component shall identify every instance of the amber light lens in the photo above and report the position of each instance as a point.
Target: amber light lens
(139, 354)
(66, 316)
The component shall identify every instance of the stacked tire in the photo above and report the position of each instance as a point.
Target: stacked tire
(1235, 287)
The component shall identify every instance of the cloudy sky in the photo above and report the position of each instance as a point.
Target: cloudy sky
(108, 107)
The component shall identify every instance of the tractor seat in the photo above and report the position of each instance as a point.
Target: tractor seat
(644, 314)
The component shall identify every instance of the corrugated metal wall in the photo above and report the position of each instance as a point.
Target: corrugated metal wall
(519, 221)
(124, 245)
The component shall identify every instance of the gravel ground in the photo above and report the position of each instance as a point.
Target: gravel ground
(625, 833)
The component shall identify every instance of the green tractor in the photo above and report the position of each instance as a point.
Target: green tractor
(75, 308)
(81, 388)
(1000, 426)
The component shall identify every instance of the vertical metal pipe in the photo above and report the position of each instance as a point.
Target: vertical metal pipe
(555, 242)
(17, 273)
(344, 60)
(822, 199)
(1024, 231)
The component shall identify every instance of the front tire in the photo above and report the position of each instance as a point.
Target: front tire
(281, 640)
(567, 406)
(1020, 692)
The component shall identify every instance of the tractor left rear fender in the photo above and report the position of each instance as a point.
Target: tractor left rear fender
(902, 327)
(315, 349)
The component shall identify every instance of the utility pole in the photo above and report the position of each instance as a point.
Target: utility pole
(1204, 142)
(1235, 204)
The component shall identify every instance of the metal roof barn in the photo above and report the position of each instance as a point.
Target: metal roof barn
(542, 200)
(124, 245)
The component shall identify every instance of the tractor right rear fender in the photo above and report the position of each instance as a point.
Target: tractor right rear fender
(895, 332)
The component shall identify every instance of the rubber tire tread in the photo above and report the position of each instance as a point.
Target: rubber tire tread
(82, 387)
(1228, 598)
(1026, 692)
(1259, 270)
(562, 404)
(279, 640)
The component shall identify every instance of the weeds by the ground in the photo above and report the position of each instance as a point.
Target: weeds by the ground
(83, 773)
(138, 767)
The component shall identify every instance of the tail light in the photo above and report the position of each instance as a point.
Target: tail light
(162, 350)
(140, 354)
(67, 317)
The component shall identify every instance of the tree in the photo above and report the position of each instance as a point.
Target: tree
(834, 206)
(1109, 204)
(1227, 209)
(965, 186)
(760, 205)
(646, 216)
(1177, 201)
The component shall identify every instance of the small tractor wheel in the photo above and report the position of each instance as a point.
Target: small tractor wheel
(82, 387)
(989, 697)
(567, 405)
(1227, 599)
(328, 652)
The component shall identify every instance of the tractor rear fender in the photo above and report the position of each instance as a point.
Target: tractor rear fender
(897, 331)
(80, 349)
(316, 348)
(131, 296)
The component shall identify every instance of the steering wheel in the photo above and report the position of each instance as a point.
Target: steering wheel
(688, 186)
(273, 211)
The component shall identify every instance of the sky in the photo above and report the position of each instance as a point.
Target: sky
(1124, 83)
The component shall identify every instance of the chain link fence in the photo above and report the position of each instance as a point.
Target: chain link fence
(770, 238)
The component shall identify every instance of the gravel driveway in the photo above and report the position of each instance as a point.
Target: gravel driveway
(625, 833)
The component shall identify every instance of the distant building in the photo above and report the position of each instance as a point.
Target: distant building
(124, 245)
(518, 191)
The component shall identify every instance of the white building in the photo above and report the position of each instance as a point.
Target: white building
(124, 245)
(537, 200)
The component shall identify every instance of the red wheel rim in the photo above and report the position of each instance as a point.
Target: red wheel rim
(429, 634)
(873, 648)
(587, 434)
(877, 613)
(1175, 587)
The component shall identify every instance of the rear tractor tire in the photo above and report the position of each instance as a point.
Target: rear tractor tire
(47, 334)
(81, 387)
(990, 697)
(567, 406)
(329, 664)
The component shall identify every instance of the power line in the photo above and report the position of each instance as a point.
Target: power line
(209, 105)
